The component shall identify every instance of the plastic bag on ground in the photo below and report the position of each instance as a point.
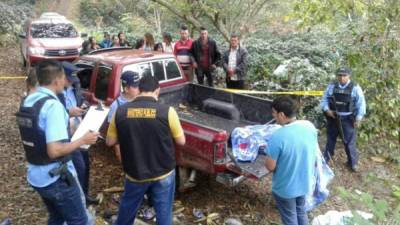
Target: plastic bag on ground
(334, 217)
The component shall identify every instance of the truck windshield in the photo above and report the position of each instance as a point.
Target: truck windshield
(51, 30)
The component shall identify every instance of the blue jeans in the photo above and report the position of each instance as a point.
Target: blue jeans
(65, 203)
(350, 136)
(160, 192)
(292, 210)
(80, 158)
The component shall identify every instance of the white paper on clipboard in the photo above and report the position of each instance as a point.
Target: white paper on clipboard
(93, 120)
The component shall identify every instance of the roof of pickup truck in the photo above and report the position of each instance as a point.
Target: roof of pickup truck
(124, 55)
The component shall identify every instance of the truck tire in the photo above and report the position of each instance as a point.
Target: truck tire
(221, 108)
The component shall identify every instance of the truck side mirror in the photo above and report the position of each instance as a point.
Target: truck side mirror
(23, 35)
(84, 35)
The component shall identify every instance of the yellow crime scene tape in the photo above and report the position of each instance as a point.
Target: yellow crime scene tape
(12, 77)
(239, 91)
(304, 93)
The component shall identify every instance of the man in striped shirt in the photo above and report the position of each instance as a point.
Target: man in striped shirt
(183, 54)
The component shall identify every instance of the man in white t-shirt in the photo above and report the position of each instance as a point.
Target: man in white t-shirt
(235, 61)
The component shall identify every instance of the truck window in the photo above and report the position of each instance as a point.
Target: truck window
(144, 69)
(85, 75)
(141, 69)
(158, 70)
(102, 81)
(172, 69)
(53, 30)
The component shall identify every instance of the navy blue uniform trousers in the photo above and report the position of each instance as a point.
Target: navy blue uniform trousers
(80, 158)
(349, 133)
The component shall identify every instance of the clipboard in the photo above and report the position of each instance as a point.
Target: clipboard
(93, 120)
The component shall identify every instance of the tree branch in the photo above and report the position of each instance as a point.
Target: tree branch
(215, 19)
(178, 13)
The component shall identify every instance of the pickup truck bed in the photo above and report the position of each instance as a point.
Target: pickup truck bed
(252, 110)
(196, 116)
(208, 117)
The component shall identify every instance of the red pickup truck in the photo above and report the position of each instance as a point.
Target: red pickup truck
(207, 115)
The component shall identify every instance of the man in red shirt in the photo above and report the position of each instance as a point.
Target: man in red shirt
(183, 54)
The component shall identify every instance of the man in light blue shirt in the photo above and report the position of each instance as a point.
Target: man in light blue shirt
(291, 155)
(344, 106)
(50, 171)
(130, 89)
(73, 102)
(71, 95)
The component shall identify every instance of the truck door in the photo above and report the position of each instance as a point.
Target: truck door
(85, 76)
(100, 84)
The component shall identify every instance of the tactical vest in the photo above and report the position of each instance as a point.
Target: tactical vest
(147, 147)
(341, 100)
(78, 94)
(34, 138)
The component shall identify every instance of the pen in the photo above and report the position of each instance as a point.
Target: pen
(99, 136)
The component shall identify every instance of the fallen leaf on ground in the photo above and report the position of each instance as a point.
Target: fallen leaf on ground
(378, 159)
(114, 189)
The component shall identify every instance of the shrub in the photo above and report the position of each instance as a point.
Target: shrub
(12, 17)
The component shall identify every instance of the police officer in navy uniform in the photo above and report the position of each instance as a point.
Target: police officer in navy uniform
(344, 105)
(43, 122)
(147, 132)
(74, 103)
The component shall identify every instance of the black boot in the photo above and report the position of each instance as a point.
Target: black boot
(91, 200)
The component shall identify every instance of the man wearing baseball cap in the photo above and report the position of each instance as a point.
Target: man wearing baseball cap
(130, 89)
(73, 102)
(72, 97)
(344, 105)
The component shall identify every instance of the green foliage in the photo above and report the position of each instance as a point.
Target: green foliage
(298, 61)
(396, 191)
(314, 12)
(381, 210)
(369, 33)
(134, 23)
(135, 17)
(223, 16)
(11, 20)
(100, 13)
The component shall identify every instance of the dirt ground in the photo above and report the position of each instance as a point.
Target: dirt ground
(251, 201)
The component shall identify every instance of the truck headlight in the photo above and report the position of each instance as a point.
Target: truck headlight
(36, 50)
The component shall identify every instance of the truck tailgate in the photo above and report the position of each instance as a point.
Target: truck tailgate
(254, 169)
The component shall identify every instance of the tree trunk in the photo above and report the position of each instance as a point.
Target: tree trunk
(157, 20)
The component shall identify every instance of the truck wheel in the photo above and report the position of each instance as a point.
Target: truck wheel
(182, 180)
(220, 108)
